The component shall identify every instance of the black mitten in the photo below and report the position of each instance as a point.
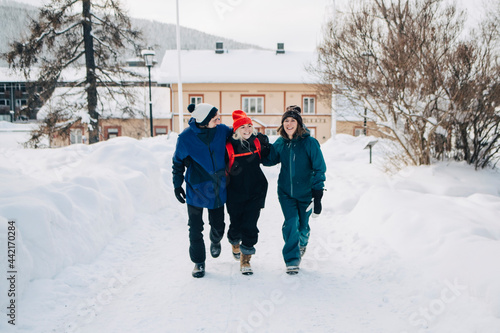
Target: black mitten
(317, 195)
(180, 194)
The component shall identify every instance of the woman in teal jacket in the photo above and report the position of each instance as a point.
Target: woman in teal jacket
(300, 183)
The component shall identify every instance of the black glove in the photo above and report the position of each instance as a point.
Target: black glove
(317, 195)
(180, 194)
(265, 146)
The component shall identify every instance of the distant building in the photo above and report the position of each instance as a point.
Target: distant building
(260, 82)
(14, 93)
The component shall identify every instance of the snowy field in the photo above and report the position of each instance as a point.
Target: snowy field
(102, 246)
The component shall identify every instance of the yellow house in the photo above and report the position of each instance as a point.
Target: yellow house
(260, 82)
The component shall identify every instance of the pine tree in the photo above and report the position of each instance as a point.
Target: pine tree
(76, 34)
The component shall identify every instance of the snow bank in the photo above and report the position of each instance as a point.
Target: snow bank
(68, 203)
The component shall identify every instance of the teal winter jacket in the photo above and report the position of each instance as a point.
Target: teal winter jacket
(302, 166)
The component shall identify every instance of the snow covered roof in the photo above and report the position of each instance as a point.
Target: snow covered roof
(116, 106)
(9, 75)
(237, 66)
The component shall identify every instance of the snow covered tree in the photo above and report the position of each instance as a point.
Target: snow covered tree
(391, 57)
(474, 89)
(74, 34)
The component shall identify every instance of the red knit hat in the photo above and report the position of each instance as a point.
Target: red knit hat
(240, 118)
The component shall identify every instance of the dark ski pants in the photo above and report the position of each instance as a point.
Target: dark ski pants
(243, 226)
(295, 228)
(197, 250)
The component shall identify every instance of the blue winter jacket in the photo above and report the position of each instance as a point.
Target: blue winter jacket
(201, 151)
(302, 166)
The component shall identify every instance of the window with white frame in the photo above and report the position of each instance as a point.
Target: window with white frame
(252, 105)
(113, 132)
(195, 99)
(5, 102)
(358, 131)
(160, 131)
(309, 105)
(75, 136)
(21, 102)
(271, 131)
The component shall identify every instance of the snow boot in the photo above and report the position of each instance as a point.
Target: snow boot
(199, 270)
(302, 251)
(236, 251)
(215, 249)
(292, 270)
(245, 267)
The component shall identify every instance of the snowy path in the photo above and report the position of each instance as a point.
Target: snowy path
(413, 253)
(142, 283)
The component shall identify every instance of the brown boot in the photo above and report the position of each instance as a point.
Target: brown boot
(236, 251)
(245, 267)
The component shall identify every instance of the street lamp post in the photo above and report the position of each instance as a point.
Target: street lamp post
(148, 56)
(11, 116)
(366, 54)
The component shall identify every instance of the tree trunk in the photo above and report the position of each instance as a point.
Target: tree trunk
(91, 85)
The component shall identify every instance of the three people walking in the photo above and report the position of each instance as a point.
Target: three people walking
(220, 165)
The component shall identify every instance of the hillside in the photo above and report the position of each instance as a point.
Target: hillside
(161, 36)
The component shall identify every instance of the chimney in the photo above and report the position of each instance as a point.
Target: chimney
(281, 48)
(219, 47)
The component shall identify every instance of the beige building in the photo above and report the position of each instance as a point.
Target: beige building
(119, 116)
(260, 82)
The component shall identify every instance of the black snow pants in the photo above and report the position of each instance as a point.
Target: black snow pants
(197, 250)
(243, 226)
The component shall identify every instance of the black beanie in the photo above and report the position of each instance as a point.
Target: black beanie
(294, 112)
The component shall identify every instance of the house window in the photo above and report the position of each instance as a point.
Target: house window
(21, 102)
(312, 131)
(252, 105)
(161, 130)
(112, 132)
(20, 87)
(358, 131)
(195, 99)
(271, 131)
(309, 105)
(5, 102)
(75, 136)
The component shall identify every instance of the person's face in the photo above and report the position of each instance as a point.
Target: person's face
(290, 126)
(245, 131)
(214, 121)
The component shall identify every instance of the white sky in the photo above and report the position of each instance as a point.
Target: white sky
(297, 23)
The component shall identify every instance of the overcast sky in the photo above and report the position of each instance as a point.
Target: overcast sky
(297, 23)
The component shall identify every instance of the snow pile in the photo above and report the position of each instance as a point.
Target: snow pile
(69, 203)
(102, 246)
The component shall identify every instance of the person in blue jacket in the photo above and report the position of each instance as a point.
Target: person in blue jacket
(300, 183)
(200, 152)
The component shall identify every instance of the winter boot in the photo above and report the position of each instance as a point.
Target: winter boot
(292, 270)
(215, 249)
(245, 267)
(236, 251)
(199, 270)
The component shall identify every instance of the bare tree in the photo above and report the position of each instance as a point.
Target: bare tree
(474, 89)
(68, 36)
(392, 58)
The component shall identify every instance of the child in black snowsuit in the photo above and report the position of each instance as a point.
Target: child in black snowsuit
(247, 187)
